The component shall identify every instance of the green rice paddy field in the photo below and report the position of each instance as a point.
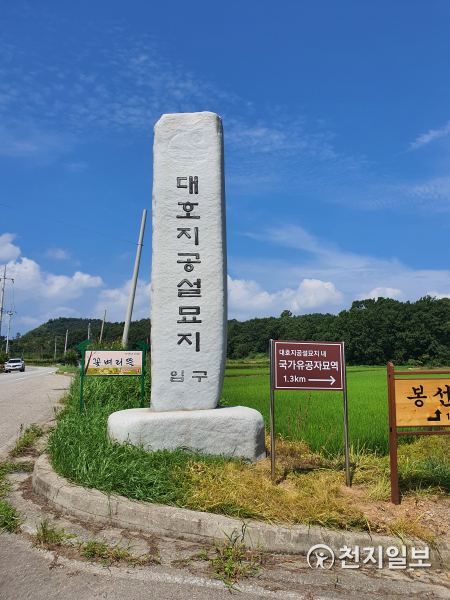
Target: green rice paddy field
(317, 417)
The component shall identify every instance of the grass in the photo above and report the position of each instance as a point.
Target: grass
(95, 550)
(26, 439)
(247, 492)
(81, 452)
(67, 369)
(10, 519)
(310, 465)
(49, 537)
(367, 410)
(242, 372)
(231, 562)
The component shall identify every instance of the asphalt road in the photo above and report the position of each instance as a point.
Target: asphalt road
(27, 398)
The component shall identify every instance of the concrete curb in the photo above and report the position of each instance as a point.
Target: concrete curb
(182, 524)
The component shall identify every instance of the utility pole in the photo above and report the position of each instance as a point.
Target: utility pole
(65, 345)
(9, 327)
(101, 330)
(56, 337)
(134, 283)
(89, 331)
(4, 278)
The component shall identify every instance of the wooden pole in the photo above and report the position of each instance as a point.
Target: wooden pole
(395, 496)
(126, 327)
(101, 331)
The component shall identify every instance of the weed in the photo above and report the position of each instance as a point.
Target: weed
(407, 527)
(26, 441)
(47, 536)
(112, 555)
(230, 561)
(10, 519)
(95, 549)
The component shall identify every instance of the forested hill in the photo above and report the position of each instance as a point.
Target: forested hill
(55, 327)
(42, 339)
(374, 331)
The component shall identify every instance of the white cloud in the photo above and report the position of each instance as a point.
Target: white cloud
(37, 295)
(437, 295)
(384, 292)
(29, 141)
(433, 134)
(8, 251)
(246, 298)
(350, 274)
(115, 302)
(29, 276)
(57, 254)
(54, 313)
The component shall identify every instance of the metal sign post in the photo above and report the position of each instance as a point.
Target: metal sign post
(101, 363)
(82, 348)
(346, 444)
(308, 366)
(272, 415)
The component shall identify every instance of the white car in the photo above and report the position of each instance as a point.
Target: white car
(15, 364)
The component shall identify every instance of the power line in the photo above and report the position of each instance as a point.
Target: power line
(32, 293)
(31, 316)
(69, 224)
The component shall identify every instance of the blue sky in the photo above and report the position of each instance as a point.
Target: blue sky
(337, 148)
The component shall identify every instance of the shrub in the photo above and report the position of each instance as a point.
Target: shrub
(71, 358)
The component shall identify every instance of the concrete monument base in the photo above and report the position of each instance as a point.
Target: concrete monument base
(235, 431)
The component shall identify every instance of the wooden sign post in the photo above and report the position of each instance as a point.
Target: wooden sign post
(415, 402)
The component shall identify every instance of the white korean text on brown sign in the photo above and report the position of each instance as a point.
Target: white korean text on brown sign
(308, 365)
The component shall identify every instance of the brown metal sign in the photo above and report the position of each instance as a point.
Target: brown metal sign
(308, 365)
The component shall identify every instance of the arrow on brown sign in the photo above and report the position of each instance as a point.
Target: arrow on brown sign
(331, 380)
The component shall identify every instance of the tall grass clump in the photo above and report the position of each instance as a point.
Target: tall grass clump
(80, 451)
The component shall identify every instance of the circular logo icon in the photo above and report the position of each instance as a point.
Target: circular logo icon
(321, 556)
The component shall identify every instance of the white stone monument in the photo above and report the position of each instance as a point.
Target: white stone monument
(189, 301)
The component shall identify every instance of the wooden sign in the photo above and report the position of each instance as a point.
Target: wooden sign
(415, 402)
(422, 402)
